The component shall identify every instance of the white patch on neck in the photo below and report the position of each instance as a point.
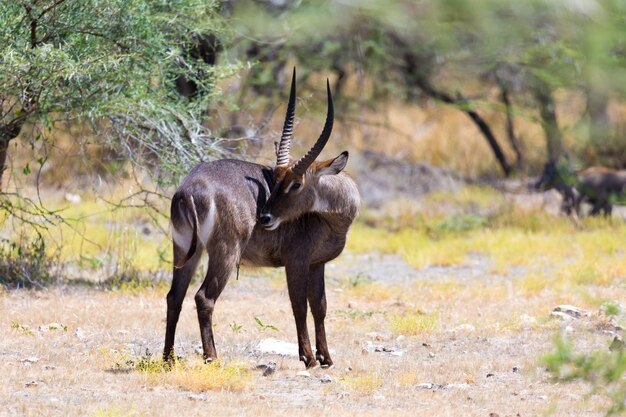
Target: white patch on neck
(320, 205)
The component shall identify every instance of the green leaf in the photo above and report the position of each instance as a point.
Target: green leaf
(264, 326)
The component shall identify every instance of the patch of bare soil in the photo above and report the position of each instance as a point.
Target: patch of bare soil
(66, 351)
(386, 178)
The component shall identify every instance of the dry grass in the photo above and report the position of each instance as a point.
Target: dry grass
(362, 383)
(76, 351)
(462, 336)
(412, 323)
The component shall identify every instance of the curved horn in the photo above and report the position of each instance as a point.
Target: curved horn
(303, 164)
(282, 152)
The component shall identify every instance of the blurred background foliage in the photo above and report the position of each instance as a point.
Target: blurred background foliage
(114, 101)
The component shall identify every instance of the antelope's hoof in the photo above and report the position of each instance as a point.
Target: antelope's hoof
(325, 361)
(208, 360)
(308, 362)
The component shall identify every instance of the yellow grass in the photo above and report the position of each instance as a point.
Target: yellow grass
(199, 377)
(413, 323)
(363, 383)
(593, 252)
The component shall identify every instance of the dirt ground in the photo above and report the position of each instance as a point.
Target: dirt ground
(70, 350)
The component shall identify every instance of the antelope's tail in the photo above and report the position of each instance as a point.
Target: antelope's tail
(183, 217)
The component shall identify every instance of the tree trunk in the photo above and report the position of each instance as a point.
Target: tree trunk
(7, 133)
(417, 72)
(547, 110)
(510, 131)
(476, 118)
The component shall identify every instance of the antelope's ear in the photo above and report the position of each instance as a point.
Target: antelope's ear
(333, 166)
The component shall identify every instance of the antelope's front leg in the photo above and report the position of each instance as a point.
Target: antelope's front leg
(297, 277)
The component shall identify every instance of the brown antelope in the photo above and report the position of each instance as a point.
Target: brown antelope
(295, 215)
(598, 186)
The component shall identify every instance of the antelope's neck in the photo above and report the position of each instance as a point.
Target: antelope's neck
(337, 200)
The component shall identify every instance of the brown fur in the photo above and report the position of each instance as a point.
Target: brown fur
(598, 184)
(231, 195)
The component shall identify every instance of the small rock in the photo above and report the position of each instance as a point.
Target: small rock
(571, 311)
(494, 415)
(617, 345)
(515, 369)
(489, 375)
(568, 329)
(277, 347)
(400, 338)
(326, 379)
(465, 327)
(304, 374)
(197, 397)
(425, 385)
(561, 315)
(542, 397)
(377, 336)
(31, 359)
(268, 369)
(431, 355)
(79, 333)
(397, 353)
(32, 384)
(72, 198)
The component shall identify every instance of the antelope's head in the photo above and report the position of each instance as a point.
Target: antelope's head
(294, 191)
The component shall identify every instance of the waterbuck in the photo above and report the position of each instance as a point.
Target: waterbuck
(295, 215)
(598, 186)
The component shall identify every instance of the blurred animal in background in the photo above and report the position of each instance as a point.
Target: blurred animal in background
(598, 186)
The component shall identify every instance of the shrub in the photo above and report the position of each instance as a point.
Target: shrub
(25, 264)
(604, 370)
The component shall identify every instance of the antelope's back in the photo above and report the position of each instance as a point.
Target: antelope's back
(227, 197)
(604, 179)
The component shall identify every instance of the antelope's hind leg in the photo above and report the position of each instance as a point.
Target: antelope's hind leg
(317, 300)
(176, 295)
(221, 265)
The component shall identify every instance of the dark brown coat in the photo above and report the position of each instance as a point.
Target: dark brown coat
(295, 215)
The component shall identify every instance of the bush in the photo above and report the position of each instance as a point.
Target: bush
(604, 370)
(25, 264)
